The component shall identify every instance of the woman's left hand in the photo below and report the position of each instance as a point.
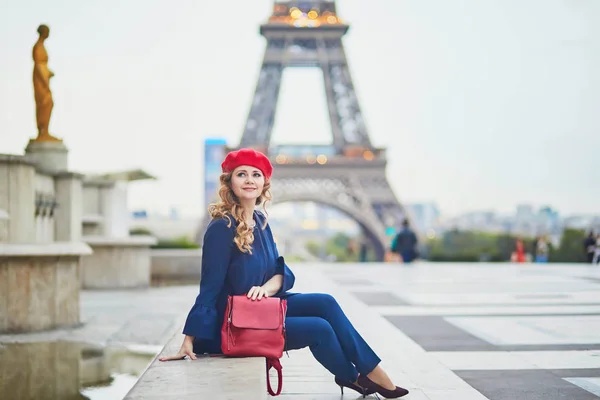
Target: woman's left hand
(257, 293)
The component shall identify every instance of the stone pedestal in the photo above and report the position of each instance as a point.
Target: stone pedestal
(39, 286)
(117, 263)
(48, 156)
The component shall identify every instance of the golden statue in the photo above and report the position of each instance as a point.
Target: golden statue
(41, 87)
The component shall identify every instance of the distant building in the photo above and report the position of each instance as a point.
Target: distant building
(214, 153)
(525, 221)
(424, 216)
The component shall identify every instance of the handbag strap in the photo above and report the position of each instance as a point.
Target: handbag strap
(274, 363)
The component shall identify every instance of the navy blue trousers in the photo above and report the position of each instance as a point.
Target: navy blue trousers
(317, 321)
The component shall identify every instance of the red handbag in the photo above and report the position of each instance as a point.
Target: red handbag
(255, 329)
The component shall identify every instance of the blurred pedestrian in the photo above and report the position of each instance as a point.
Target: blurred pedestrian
(542, 249)
(519, 251)
(589, 245)
(405, 243)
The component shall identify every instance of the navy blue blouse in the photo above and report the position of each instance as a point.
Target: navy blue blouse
(228, 271)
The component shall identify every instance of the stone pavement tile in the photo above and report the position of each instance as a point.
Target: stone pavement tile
(543, 296)
(352, 282)
(320, 396)
(457, 394)
(513, 360)
(452, 311)
(562, 359)
(407, 363)
(435, 333)
(143, 316)
(207, 377)
(145, 328)
(304, 376)
(592, 385)
(555, 297)
(478, 299)
(34, 336)
(577, 373)
(482, 360)
(592, 279)
(159, 396)
(524, 384)
(380, 299)
(529, 330)
(482, 278)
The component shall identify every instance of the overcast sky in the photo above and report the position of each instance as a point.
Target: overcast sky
(482, 104)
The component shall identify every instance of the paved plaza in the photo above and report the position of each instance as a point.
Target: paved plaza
(480, 331)
(444, 331)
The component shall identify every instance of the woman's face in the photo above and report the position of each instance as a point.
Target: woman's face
(247, 182)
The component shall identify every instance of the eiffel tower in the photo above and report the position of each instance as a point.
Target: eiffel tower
(349, 174)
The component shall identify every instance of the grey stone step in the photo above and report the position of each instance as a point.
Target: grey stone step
(206, 377)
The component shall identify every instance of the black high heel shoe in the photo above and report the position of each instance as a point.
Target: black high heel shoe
(342, 384)
(388, 394)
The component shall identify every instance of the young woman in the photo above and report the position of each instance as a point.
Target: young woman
(239, 256)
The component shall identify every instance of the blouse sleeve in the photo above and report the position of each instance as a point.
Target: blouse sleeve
(216, 254)
(288, 275)
(281, 267)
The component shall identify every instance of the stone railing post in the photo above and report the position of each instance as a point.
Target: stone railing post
(69, 212)
(17, 198)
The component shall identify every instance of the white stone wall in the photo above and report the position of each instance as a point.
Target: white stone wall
(39, 285)
(38, 293)
(176, 264)
(4, 217)
(92, 216)
(17, 198)
(117, 263)
(105, 211)
(91, 200)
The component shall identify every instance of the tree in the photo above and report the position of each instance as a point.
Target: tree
(570, 248)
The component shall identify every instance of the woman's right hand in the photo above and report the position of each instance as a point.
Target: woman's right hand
(187, 349)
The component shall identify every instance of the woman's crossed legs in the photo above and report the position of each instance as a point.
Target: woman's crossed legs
(316, 320)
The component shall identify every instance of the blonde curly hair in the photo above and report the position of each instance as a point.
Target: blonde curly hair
(229, 206)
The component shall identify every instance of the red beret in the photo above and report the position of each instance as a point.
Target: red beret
(247, 157)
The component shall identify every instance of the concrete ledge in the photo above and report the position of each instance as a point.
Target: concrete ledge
(16, 159)
(205, 378)
(56, 249)
(117, 263)
(129, 241)
(39, 286)
(176, 263)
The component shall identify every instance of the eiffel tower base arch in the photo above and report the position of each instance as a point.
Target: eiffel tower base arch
(366, 227)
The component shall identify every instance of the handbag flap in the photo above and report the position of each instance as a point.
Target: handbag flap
(257, 314)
